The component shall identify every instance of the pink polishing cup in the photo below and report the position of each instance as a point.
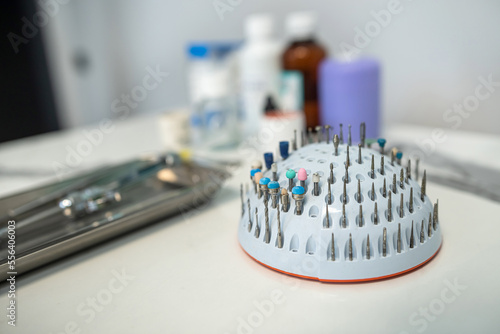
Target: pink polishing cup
(302, 175)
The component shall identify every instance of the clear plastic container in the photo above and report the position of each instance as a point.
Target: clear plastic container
(214, 112)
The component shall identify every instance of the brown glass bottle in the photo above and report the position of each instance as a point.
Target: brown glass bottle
(305, 56)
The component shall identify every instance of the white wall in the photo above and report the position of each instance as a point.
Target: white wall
(432, 51)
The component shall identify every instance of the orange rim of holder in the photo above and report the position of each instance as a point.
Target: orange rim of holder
(348, 281)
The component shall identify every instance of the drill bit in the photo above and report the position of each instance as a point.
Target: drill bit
(274, 190)
(350, 247)
(372, 168)
(406, 176)
(416, 169)
(429, 227)
(401, 207)
(327, 130)
(360, 216)
(408, 170)
(257, 164)
(269, 159)
(257, 228)
(329, 192)
(394, 182)
(393, 155)
(344, 195)
(302, 176)
(422, 188)
(341, 135)
(384, 243)
(360, 160)
(435, 215)
(402, 178)
(282, 150)
(315, 179)
(298, 194)
(422, 233)
(382, 170)
(290, 174)
(368, 247)
(381, 143)
(399, 238)
(412, 240)
(399, 155)
(280, 235)
(319, 134)
(347, 160)
(410, 205)
(389, 207)
(344, 218)
(362, 133)
(346, 176)
(372, 193)
(274, 169)
(266, 210)
(384, 190)
(327, 219)
(267, 235)
(242, 200)
(349, 140)
(309, 135)
(358, 195)
(257, 178)
(375, 214)
(285, 202)
(332, 251)
(336, 144)
(263, 182)
(294, 144)
(254, 185)
(249, 217)
(302, 138)
(330, 180)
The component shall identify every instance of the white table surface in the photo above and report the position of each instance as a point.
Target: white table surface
(189, 275)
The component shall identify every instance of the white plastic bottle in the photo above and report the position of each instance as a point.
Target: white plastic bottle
(260, 70)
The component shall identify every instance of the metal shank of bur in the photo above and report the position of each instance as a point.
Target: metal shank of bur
(242, 200)
(298, 195)
(249, 217)
(267, 235)
(362, 134)
(280, 235)
(285, 201)
(290, 174)
(319, 134)
(274, 189)
(257, 227)
(315, 179)
(294, 144)
(263, 187)
(349, 139)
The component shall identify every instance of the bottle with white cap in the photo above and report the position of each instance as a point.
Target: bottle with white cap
(304, 54)
(260, 70)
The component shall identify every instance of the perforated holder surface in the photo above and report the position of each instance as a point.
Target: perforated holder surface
(308, 238)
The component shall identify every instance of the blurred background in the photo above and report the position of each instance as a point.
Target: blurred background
(86, 54)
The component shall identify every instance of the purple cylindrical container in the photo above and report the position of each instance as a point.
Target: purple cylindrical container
(350, 94)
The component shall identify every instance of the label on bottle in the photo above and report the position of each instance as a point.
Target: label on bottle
(260, 78)
(292, 91)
